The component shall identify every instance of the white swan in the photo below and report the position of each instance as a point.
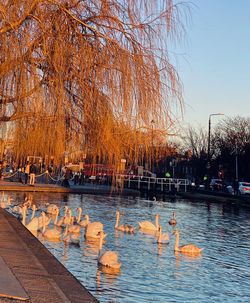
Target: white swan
(125, 227)
(108, 258)
(147, 225)
(52, 209)
(190, 249)
(162, 238)
(33, 225)
(70, 239)
(43, 220)
(62, 221)
(82, 223)
(93, 230)
(50, 234)
(73, 228)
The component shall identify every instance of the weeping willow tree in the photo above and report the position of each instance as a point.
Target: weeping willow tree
(88, 75)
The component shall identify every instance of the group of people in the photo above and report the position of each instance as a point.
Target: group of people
(29, 171)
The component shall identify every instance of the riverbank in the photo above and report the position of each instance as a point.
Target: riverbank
(87, 188)
(215, 195)
(30, 273)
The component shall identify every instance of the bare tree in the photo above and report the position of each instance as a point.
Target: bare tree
(88, 75)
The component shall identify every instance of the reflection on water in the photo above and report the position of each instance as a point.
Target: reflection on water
(152, 272)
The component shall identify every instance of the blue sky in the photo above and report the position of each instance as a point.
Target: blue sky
(214, 61)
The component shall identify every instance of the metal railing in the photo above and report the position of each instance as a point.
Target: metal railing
(163, 183)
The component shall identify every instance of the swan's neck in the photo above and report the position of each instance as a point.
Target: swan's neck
(157, 221)
(177, 238)
(79, 214)
(66, 231)
(160, 236)
(33, 213)
(117, 220)
(87, 219)
(43, 223)
(56, 218)
(100, 244)
(24, 215)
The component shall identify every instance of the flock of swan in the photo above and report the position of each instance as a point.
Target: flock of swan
(58, 224)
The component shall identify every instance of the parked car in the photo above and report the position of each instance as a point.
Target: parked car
(216, 184)
(244, 188)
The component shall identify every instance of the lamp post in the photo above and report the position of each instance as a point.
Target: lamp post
(152, 146)
(209, 135)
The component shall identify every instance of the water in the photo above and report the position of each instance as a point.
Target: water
(153, 273)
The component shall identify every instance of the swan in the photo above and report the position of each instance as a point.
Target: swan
(70, 239)
(125, 227)
(147, 225)
(162, 238)
(68, 216)
(82, 223)
(51, 234)
(188, 248)
(52, 208)
(93, 230)
(108, 258)
(172, 221)
(72, 228)
(5, 204)
(61, 222)
(85, 222)
(43, 219)
(33, 211)
(33, 225)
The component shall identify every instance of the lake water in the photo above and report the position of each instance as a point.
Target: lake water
(152, 272)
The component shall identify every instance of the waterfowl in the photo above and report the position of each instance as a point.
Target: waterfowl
(51, 234)
(163, 238)
(125, 227)
(82, 223)
(108, 258)
(70, 239)
(147, 225)
(93, 230)
(187, 248)
(172, 221)
(51, 208)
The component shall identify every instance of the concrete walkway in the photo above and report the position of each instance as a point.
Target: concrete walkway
(30, 273)
(88, 188)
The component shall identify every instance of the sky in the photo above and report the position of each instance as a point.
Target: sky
(214, 61)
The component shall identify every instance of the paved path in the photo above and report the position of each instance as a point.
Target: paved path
(33, 270)
(88, 188)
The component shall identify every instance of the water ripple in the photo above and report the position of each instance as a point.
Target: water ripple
(153, 273)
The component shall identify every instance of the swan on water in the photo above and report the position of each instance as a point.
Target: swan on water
(187, 248)
(163, 238)
(108, 258)
(127, 228)
(172, 221)
(147, 225)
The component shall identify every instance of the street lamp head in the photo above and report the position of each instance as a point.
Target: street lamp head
(217, 114)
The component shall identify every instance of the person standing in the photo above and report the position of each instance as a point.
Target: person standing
(32, 174)
(26, 172)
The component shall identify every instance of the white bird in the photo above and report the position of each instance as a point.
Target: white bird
(147, 225)
(70, 239)
(190, 249)
(82, 223)
(162, 238)
(127, 228)
(51, 234)
(108, 258)
(93, 230)
(52, 209)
